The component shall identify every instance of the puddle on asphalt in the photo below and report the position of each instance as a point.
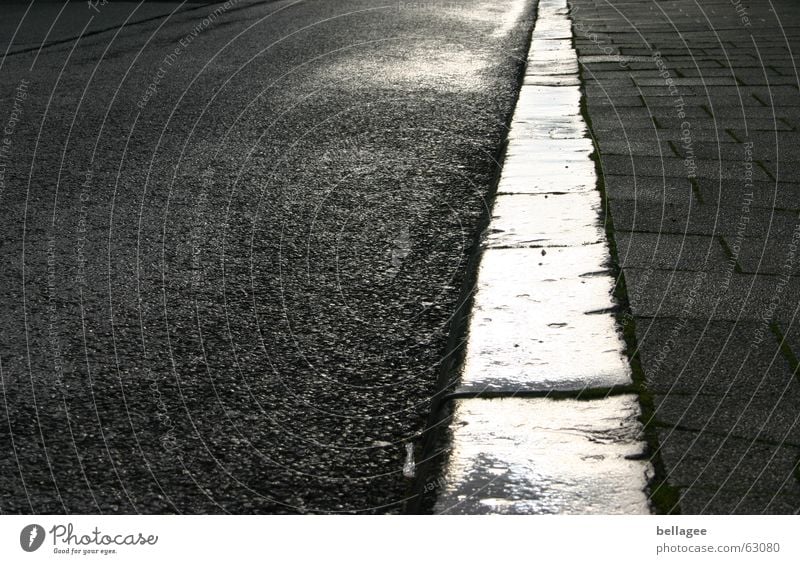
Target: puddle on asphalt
(535, 456)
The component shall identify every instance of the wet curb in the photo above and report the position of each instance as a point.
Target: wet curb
(544, 418)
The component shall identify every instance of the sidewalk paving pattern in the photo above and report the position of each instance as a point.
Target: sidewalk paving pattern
(693, 109)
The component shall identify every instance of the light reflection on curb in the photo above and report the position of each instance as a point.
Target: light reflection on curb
(542, 321)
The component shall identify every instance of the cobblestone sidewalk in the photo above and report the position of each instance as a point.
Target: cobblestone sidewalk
(694, 109)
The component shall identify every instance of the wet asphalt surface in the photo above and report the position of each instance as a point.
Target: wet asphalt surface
(227, 276)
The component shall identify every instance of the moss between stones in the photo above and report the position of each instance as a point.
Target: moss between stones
(664, 497)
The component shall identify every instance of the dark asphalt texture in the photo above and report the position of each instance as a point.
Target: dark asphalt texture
(235, 298)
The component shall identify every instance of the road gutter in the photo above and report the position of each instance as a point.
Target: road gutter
(532, 427)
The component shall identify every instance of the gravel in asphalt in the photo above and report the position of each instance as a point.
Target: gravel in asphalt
(232, 246)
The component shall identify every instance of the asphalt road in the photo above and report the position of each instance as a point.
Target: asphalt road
(231, 246)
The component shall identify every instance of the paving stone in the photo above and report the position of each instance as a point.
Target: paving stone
(705, 71)
(540, 456)
(790, 331)
(754, 79)
(675, 167)
(735, 151)
(711, 461)
(690, 357)
(621, 130)
(762, 415)
(670, 252)
(784, 69)
(737, 111)
(701, 219)
(616, 114)
(621, 123)
(648, 189)
(783, 171)
(788, 99)
(733, 500)
(737, 123)
(764, 255)
(543, 220)
(537, 101)
(519, 177)
(768, 139)
(778, 195)
(659, 112)
(620, 73)
(774, 93)
(610, 63)
(699, 81)
(712, 295)
(747, 100)
(531, 321)
(619, 102)
(635, 147)
(704, 328)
